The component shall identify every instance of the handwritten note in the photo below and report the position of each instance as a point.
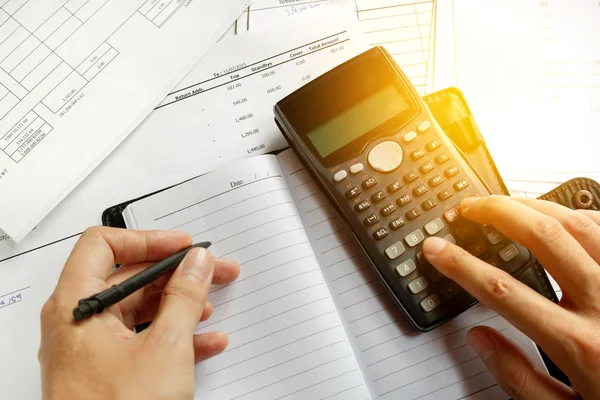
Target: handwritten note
(12, 298)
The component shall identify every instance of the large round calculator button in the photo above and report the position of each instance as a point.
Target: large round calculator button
(385, 157)
(424, 126)
(340, 176)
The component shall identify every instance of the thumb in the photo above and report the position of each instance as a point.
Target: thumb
(184, 296)
(513, 370)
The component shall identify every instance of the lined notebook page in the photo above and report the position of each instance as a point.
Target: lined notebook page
(286, 340)
(398, 363)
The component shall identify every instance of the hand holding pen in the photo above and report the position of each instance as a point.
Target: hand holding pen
(160, 359)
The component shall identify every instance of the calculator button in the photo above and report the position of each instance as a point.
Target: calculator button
(449, 238)
(445, 194)
(435, 275)
(442, 158)
(464, 230)
(430, 303)
(461, 185)
(353, 192)
(449, 290)
(425, 168)
(385, 157)
(452, 215)
(371, 220)
(424, 126)
(434, 226)
(340, 176)
(436, 181)
(378, 196)
(387, 210)
(395, 251)
(508, 253)
(394, 186)
(414, 213)
(421, 258)
(406, 268)
(380, 233)
(434, 144)
(362, 206)
(409, 137)
(477, 248)
(411, 176)
(404, 200)
(356, 168)
(429, 204)
(414, 238)
(450, 172)
(369, 183)
(419, 153)
(418, 285)
(495, 237)
(420, 190)
(397, 223)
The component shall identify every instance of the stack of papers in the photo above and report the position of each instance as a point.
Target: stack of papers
(76, 78)
(219, 113)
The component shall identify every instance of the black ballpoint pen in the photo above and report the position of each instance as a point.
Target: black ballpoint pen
(114, 294)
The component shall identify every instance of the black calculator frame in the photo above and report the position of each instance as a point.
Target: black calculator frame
(383, 266)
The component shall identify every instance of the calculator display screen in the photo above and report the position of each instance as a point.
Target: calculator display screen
(354, 121)
(338, 114)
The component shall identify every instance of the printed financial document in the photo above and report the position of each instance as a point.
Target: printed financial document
(405, 28)
(76, 77)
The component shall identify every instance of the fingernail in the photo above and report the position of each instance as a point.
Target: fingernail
(434, 245)
(198, 262)
(468, 202)
(481, 343)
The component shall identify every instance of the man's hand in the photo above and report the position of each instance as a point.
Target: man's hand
(567, 243)
(102, 357)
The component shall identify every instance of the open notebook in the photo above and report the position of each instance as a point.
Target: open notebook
(307, 318)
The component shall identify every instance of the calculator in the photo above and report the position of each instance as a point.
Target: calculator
(395, 178)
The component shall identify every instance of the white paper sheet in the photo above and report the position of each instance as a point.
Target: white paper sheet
(530, 71)
(195, 135)
(285, 337)
(76, 77)
(398, 362)
(405, 28)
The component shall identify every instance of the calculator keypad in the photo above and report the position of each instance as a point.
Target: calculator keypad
(353, 192)
(378, 196)
(411, 176)
(387, 210)
(394, 215)
(417, 154)
(380, 233)
(418, 285)
(403, 200)
(362, 206)
(413, 214)
(414, 238)
(371, 220)
(369, 183)
(406, 268)
(420, 190)
(429, 204)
